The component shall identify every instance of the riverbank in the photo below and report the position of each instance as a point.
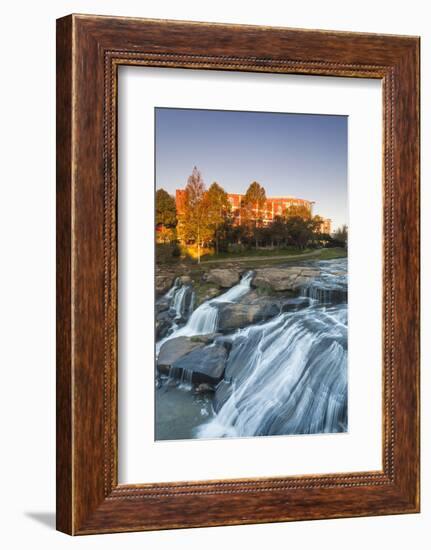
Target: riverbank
(168, 272)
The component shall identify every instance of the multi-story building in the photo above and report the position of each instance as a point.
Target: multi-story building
(274, 206)
(326, 226)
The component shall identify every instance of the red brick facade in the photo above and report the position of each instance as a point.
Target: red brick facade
(275, 206)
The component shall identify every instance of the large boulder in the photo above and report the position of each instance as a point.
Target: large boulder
(163, 324)
(282, 279)
(163, 282)
(174, 349)
(185, 279)
(204, 365)
(224, 278)
(162, 304)
(235, 316)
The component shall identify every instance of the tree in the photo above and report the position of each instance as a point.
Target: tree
(298, 211)
(277, 230)
(253, 203)
(166, 212)
(218, 208)
(341, 234)
(194, 224)
(301, 231)
(166, 216)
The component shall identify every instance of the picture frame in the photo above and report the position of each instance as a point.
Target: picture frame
(89, 51)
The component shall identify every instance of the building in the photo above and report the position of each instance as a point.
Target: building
(326, 226)
(274, 206)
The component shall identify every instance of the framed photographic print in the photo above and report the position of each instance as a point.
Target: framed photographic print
(237, 274)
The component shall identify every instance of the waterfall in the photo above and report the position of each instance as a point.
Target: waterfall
(331, 286)
(171, 292)
(179, 301)
(204, 319)
(287, 376)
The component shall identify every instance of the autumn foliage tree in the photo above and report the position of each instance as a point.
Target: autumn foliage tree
(166, 214)
(253, 205)
(298, 211)
(218, 211)
(205, 218)
(193, 222)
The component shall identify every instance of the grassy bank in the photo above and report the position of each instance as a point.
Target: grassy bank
(260, 256)
(257, 253)
(205, 290)
(332, 253)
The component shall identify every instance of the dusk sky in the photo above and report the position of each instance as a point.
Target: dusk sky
(289, 154)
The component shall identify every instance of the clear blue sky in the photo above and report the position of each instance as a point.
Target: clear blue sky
(289, 154)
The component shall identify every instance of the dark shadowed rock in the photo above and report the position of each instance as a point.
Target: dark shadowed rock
(163, 324)
(295, 304)
(204, 387)
(206, 364)
(174, 349)
(225, 278)
(162, 304)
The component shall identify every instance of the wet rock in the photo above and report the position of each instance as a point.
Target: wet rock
(205, 338)
(295, 304)
(224, 278)
(209, 294)
(284, 278)
(235, 316)
(174, 349)
(206, 365)
(164, 282)
(204, 388)
(163, 324)
(310, 272)
(161, 305)
(326, 295)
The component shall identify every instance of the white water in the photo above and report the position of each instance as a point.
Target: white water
(204, 319)
(288, 375)
(285, 376)
(178, 302)
(171, 292)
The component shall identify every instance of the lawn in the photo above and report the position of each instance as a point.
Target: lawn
(257, 253)
(247, 258)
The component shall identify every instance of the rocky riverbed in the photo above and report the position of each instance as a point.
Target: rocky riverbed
(259, 337)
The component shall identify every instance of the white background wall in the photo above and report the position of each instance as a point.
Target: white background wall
(27, 308)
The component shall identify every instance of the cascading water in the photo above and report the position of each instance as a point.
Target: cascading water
(171, 292)
(286, 376)
(179, 301)
(331, 286)
(204, 319)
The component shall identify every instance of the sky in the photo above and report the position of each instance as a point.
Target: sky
(301, 155)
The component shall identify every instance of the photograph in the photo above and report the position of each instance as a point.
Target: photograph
(211, 275)
(251, 274)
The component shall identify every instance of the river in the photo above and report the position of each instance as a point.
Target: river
(282, 376)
